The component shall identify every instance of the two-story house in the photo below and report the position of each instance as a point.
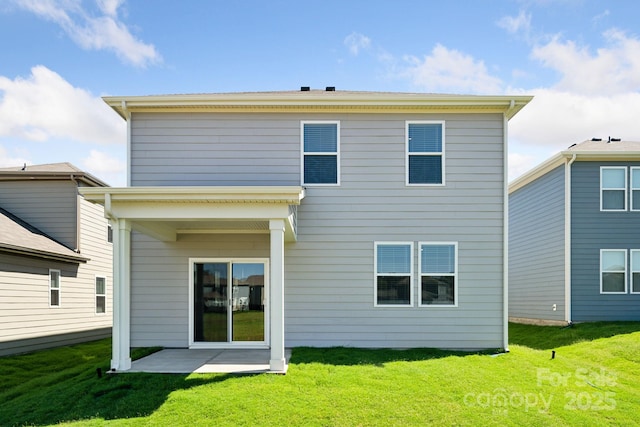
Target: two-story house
(574, 227)
(310, 218)
(55, 259)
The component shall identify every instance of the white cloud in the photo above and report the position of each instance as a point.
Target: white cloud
(12, 159)
(110, 7)
(520, 163)
(106, 32)
(559, 119)
(110, 169)
(610, 70)
(449, 70)
(356, 42)
(45, 106)
(518, 24)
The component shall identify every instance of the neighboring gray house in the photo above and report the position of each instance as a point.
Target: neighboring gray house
(310, 218)
(55, 259)
(574, 236)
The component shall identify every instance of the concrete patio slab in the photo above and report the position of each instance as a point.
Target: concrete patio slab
(186, 361)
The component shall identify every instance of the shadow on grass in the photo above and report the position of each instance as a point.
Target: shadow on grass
(60, 385)
(348, 356)
(549, 337)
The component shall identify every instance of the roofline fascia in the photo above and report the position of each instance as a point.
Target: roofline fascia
(559, 159)
(509, 105)
(44, 176)
(290, 195)
(42, 254)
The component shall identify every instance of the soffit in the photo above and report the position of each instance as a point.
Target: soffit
(319, 101)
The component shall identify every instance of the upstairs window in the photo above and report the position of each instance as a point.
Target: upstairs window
(54, 288)
(438, 273)
(635, 189)
(320, 153)
(101, 295)
(425, 153)
(613, 271)
(394, 272)
(613, 188)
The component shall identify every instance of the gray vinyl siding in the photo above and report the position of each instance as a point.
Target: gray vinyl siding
(536, 248)
(329, 278)
(593, 230)
(215, 149)
(27, 322)
(50, 206)
(160, 281)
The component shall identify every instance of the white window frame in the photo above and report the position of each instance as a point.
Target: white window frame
(631, 187)
(634, 268)
(626, 271)
(626, 188)
(100, 295)
(454, 275)
(303, 153)
(267, 304)
(438, 153)
(51, 288)
(376, 274)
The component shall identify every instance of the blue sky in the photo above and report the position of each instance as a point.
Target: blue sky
(579, 58)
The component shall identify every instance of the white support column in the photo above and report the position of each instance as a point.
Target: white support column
(121, 356)
(277, 361)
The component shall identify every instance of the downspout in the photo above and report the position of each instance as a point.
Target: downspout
(78, 219)
(505, 228)
(127, 115)
(567, 239)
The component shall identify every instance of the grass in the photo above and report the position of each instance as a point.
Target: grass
(591, 381)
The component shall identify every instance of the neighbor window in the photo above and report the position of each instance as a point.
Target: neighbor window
(635, 271)
(438, 273)
(320, 153)
(394, 274)
(101, 295)
(613, 271)
(635, 189)
(425, 153)
(613, 188)
(109, 234)
(54, 288)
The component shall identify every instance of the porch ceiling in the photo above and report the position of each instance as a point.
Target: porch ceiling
(165, 212)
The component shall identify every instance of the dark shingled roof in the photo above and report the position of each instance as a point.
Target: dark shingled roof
(20, 237)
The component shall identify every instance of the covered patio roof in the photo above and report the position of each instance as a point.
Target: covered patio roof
(165, 212)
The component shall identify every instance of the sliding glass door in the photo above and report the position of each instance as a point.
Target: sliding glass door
(229, 301)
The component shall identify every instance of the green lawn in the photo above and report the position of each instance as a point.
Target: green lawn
(593, 380)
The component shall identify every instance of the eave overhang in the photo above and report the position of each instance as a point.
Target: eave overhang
(563, 156)
(324, 102)
(85, 178)
(36, 253)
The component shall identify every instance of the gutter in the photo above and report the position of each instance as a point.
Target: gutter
(42, 254)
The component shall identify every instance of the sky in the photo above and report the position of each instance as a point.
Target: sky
(580, 59)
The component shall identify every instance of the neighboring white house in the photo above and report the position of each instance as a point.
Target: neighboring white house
(310, 218)
(55, 259)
